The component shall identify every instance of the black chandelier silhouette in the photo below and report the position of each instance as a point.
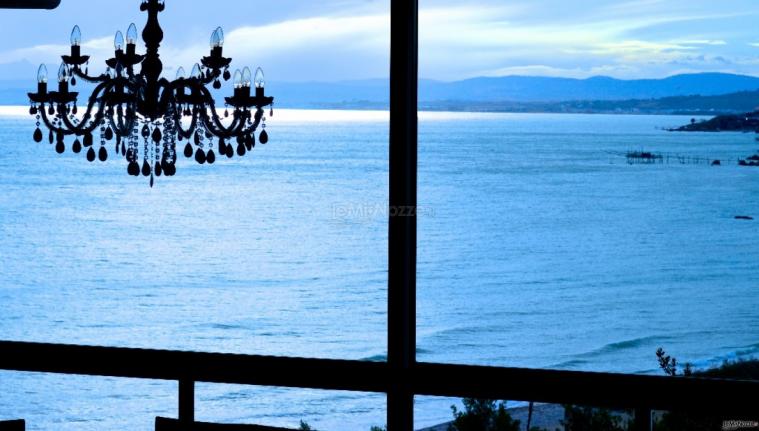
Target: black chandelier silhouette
(128, 106)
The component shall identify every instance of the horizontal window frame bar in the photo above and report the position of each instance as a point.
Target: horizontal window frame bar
(722, 397)
(29, 4)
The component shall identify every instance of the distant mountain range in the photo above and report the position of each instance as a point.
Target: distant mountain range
(733, 103)
(691, 93)
(506, 92)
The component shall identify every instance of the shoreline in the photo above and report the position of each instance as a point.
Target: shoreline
(346, 115)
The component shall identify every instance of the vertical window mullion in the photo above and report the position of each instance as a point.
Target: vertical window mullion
(402, 226)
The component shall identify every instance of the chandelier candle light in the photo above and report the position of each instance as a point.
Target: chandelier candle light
(147, 114)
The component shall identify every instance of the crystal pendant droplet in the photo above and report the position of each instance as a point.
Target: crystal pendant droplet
(133, 169)
(145, 168)
(264, 137)
(103, 154)
(210, 157)
(157, 135)
(60, 147)
(91, 155)
(200, 156)
(77, 148)
(37, 135)
(188, 150)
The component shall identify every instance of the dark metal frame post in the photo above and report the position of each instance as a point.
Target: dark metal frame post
(401, 316)
(186, 413)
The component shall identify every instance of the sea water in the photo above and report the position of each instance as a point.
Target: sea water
(539, 246)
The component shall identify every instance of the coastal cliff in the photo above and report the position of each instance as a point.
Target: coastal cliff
(748, 122)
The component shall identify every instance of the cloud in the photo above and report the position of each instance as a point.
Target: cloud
(704, 42)
(627, 39)
(101, 48)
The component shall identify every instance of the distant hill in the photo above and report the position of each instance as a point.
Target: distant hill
(692, 93)
(374, 93)
(733, 103)
(539, 89)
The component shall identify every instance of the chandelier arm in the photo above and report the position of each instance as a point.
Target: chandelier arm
(51, 126)
(256, 121)
(81, 128)
(78, 72)
(218, 129)
(122, 129)
(178, 119)
(174, 108)
(118, 124)
(72, 129)
(215, 120)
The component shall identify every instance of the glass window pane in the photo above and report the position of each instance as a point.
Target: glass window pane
(280, 252)
(570, 229)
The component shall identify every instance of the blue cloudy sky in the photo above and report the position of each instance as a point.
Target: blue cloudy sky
(304, 40)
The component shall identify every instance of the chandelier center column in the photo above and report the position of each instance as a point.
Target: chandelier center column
(152, 66)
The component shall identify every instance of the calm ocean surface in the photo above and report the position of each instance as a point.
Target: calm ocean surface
(539, 246)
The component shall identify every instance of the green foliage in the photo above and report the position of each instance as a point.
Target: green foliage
(690, 421)
(482, 415)
(668, 364)
(591, 419)
(488, 415)
(740, 369)
(698, 420)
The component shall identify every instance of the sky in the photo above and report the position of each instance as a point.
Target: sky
(333, 40)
